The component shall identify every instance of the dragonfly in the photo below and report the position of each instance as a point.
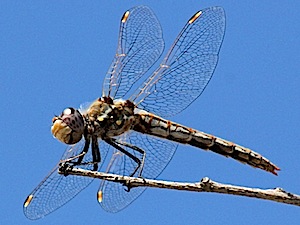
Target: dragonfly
(127, 122)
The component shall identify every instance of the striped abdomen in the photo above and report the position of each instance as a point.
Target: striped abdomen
(154, 125)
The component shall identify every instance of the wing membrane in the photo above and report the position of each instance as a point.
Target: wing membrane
(188, 66)
(140, 44)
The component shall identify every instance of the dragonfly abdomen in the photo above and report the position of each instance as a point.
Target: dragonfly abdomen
(154, 125)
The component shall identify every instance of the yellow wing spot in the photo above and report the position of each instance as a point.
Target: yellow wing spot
(118, 122)
(99, 196)
(28, 200)
(192, 20)
(125, 17)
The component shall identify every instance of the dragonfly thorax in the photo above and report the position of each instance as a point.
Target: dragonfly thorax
(108, 118)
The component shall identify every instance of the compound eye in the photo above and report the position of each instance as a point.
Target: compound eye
(73, 119)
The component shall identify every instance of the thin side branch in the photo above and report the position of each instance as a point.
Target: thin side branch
(205, 185)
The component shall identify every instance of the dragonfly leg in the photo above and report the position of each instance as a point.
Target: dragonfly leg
(95, 152)
(135, 148)
(84, 151)
(140, 163)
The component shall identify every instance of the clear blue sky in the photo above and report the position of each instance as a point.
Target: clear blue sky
(54, 55)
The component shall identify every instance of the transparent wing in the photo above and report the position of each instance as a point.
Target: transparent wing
(140, 44)
(56, 190)
(187, 67)
(159, 152)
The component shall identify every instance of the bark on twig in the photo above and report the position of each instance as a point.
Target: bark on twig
(205, 185)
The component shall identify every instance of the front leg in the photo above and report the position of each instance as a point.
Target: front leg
(84, 151)
(95, 153)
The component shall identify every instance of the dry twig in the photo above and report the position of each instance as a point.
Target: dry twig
(205, 185)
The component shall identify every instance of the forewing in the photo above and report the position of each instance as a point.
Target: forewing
(159, 152)
(56, 190)
(140, 44)
(187, 67)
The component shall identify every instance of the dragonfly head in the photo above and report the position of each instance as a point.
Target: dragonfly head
(69, 126)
